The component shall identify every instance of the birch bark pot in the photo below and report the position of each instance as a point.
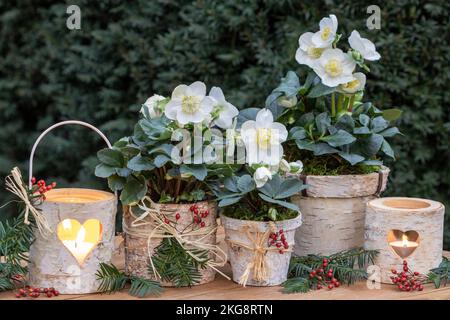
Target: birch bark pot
(137, 249)
(333, 209)
(240, 257)
(92, 214)
(408, 229)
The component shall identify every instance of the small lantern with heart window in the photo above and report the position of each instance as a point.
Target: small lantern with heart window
(401, 229)
(82, 225)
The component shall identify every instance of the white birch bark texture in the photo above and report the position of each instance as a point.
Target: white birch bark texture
(425, 217)
(277, 264)
(137, 248)
(333, 211)
(51, 264)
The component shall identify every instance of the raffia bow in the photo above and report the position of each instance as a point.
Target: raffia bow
(14, 183)
(163, 230)
(259, 240)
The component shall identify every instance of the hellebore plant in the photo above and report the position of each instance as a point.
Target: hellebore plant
(175, 149)
(261, 189)
(330, 128)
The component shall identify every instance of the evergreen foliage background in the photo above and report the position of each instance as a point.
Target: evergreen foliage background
(128, 50)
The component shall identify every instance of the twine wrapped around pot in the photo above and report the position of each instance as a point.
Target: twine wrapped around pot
(153, 216)
(259, 242)
(14, 183)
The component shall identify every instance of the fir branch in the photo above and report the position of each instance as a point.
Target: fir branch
(348, 267)
(175, 264)
(440, 275)
(142, 287)
(113, 280)
(297, 284)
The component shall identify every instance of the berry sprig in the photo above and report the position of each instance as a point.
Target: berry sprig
(41, 187)
(323, 277)
(407, 280)
(197, 216)
(32, 292)
(278, 239)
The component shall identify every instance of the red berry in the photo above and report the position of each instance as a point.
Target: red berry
(330, 286)
(195, 211)
(49, 294)
(319, 287)
(37, 290)
(206, 213)
(405, 268)
(202, 224)
(278, 245)
(166, 221)
(334, 280)
(400, 286)
(283, 238)
(319, 278)
(281, 251)
(325, 264)
(51, 289)
(420, 287)
(286, 246)
(325, 260)
(177, 216)
(337, 284)
(54, 184)
(18, 295)
(405, 263)
(48, 188)
(416, 273)
(191, 208)
(320, 270)
(281, 231)
(314, 272)
(394, 271)
(33, 180)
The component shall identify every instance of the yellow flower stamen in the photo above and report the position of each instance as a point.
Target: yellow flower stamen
(264, 137)
(333, 67)
(325, 33)
(190, 104)
(351, 85)
(315, 53)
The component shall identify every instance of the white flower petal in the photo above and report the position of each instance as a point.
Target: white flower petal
(197, 88)
(282, 133)
(179, 92)
(217, 94)
(185, 118)
(172, 108)
(264, 118)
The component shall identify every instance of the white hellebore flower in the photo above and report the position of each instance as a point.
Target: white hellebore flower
(285, 166)
(307, 52)
(263, 138)
(296, 167)
(152, 106)
(189, 104)
(325, 37)
(261, 176)
(223, 111)
(363, 46)
(355, 85)
(334, 67)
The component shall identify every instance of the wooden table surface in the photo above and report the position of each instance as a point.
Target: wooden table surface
(223, 289)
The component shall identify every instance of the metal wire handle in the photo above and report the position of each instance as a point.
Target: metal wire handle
(56, 125)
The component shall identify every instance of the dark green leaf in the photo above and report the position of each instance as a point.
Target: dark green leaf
(111, 157)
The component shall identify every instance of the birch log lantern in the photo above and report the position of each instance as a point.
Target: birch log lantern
(401, 229)
(82, 224)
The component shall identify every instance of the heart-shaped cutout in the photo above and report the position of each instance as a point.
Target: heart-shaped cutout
(80, 239)
(403, 243)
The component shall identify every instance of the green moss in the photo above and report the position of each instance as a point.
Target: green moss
(244, 213)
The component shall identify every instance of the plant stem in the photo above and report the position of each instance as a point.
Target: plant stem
(340, 103)
(333, 105)
(350, 103)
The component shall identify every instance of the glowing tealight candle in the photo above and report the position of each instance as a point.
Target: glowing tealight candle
(404, 247)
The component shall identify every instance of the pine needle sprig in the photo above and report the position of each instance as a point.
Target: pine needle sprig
(347, 267)
(440, 276)
(143, 287)
(175, 264)
(113, 280)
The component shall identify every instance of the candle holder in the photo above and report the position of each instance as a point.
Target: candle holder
(82, 222)
(404, 229)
